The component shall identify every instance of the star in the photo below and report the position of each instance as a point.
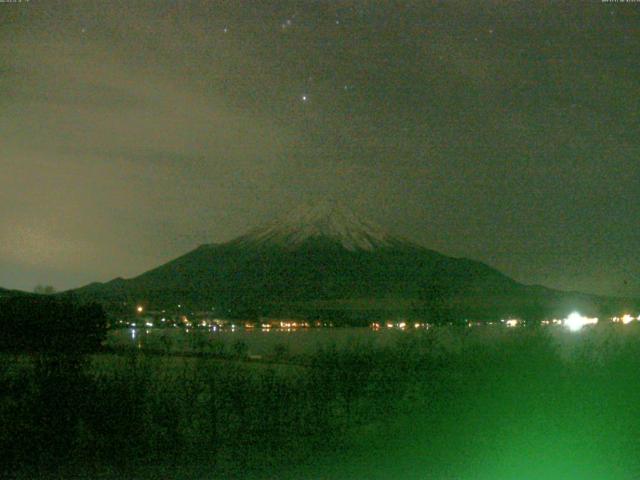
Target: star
(286, 24)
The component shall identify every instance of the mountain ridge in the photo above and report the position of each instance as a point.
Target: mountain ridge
(327, 256)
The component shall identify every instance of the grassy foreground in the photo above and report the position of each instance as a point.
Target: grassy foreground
(482, 403)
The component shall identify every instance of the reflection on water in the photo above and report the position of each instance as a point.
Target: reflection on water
(258, 341)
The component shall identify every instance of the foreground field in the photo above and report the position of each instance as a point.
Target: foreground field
(442, 404)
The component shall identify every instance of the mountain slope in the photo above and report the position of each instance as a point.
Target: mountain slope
(4, 293)
(323, 261)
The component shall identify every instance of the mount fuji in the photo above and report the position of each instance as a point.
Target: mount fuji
(324, 220)
(325, 262)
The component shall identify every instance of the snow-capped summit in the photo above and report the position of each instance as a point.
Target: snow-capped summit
(321, 220)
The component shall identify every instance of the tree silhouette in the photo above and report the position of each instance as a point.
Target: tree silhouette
(44, 289)
(50, 324)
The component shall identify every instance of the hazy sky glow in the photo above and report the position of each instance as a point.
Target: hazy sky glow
(131, 132)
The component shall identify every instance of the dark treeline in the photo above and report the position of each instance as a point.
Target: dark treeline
(47, 324)
(52, 337)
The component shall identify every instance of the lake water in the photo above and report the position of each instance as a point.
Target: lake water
(308, 340)
(258, 342)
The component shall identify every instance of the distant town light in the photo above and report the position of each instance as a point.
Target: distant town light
(139, 309)
(575, 321)
(512, 322)
(627, 319)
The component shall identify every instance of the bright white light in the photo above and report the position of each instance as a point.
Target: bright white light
(139, 309)
(627, 319)
(575, 321)
(512, 322)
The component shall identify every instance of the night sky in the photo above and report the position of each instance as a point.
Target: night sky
(131, 132)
